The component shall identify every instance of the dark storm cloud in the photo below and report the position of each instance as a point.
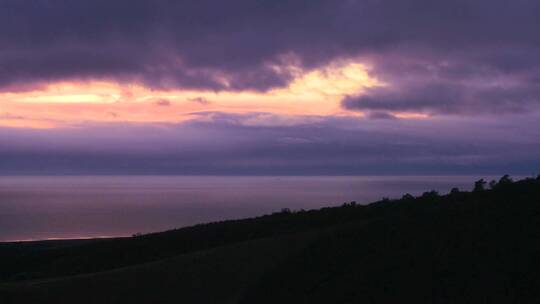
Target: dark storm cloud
(192, 44)
(235, 44)
(225, 144)
(438, 86)
(450, 98)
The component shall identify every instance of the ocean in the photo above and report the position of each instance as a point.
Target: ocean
(59, 207)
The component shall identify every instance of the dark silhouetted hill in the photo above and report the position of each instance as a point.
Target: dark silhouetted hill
(463, 247)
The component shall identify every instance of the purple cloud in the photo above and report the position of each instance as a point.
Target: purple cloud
(448, 86)
(226, 145)
(234, 45)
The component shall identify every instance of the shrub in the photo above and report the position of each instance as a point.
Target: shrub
(479, 185)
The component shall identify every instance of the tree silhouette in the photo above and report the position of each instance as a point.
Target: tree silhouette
(454, 191)
(286, 211)
(479, 185)
(407, 197)
(505, 180)
(430, 194)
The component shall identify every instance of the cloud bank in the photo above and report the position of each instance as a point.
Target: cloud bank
(250, 82)
(234, 145)
(464, 57)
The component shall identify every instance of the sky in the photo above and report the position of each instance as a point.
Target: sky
(270, 87)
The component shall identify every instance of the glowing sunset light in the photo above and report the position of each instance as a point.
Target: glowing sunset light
(318, 92)
(24, 123)
(411, 115)
(70, 98)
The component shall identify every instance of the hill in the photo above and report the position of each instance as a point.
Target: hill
(463, 247)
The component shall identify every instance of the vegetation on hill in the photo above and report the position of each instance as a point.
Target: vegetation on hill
(480, 247)
(462, 247)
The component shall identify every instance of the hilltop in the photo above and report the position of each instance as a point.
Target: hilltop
(461, 247)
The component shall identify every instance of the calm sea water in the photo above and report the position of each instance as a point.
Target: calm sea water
(95, 206)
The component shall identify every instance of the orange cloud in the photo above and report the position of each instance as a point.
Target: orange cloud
(317, 92)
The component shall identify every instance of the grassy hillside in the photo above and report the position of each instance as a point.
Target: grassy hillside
(464, 247)
(23, 261)
(479, 247)
(219, 275)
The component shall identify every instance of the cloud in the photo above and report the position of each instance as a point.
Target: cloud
(448, 87)
(199, 100)
(328, 146)
(245, 45)
(380, 115)
(162, 102)
(472, 64)
(7, 115)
